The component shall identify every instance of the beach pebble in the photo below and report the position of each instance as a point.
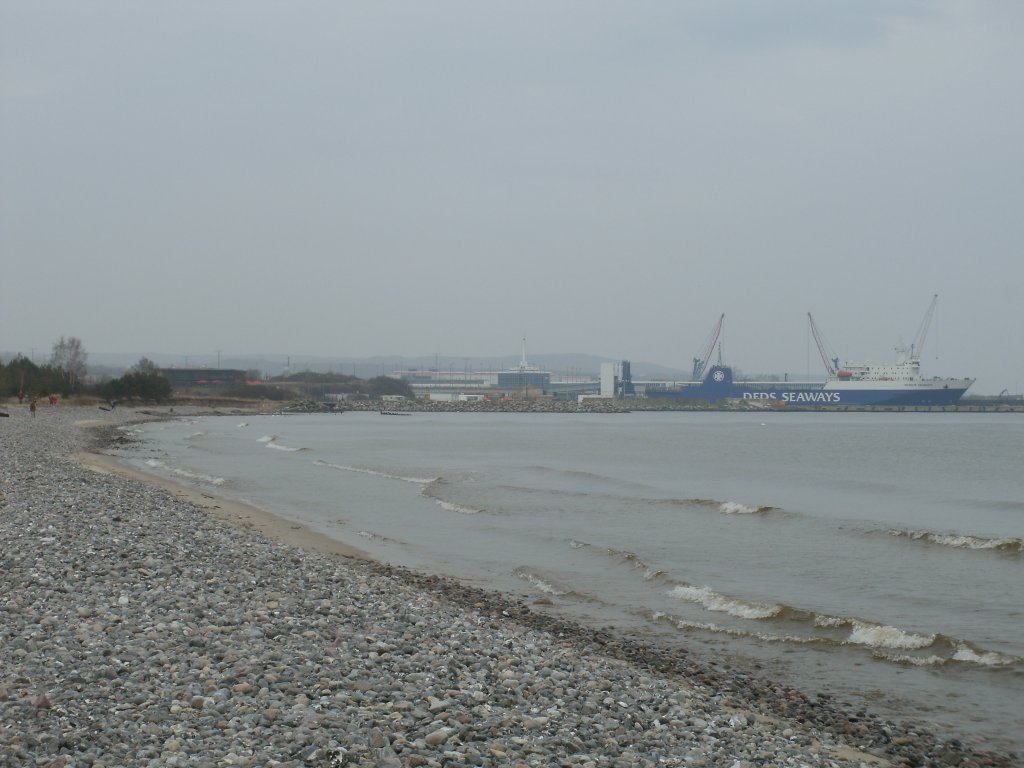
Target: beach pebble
(437, 737)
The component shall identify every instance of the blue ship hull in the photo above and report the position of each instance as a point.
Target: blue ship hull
(718, 385)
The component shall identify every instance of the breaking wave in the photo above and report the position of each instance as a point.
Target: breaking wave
(734, 508)
(884, 643)
(288, 448)
(428, 485)
(713, 601)
(725, 507)
(457, 507)
(880, 636)
(432, 491)
(547, 586)
(965, 652)
(960, 541)
(544, 586)
(766, 637)
(195, 476)
(631, 560)
(270, 441)
(377, 473)
(781, 623)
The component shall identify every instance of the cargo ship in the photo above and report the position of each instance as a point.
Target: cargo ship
(854, 384)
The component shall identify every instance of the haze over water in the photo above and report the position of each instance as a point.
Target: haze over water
(877, 557)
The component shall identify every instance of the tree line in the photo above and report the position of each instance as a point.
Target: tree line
(310, 384)
(64, 374)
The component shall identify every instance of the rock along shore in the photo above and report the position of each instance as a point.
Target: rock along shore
(138, 630)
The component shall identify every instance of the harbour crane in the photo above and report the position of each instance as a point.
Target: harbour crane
(827, 356)
(918, 343)
(701, 363)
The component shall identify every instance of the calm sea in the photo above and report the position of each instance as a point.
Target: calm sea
(879, 557)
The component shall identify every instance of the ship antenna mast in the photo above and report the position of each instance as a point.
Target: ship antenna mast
(827, 356)
(700, 363)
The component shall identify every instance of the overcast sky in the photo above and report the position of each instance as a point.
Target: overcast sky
(332, 178)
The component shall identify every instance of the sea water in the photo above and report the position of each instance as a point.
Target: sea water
(876, 557)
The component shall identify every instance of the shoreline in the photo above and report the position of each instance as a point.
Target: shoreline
(231, 511)
(718, 712)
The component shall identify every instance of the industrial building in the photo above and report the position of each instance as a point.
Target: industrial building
(617, 380)
(192, 378)
(524, 381)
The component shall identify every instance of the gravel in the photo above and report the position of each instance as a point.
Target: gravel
(137, 630)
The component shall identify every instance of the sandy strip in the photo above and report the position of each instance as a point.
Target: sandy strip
(237, 513)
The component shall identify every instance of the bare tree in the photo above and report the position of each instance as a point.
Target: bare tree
(69, 356)
(145, 365)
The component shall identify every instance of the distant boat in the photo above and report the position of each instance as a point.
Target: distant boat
(393, 413)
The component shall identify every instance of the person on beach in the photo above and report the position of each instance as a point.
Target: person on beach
(32, 406)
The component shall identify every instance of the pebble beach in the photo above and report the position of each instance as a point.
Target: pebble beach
(137, 628)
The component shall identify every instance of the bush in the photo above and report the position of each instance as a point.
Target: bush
(138, 385)
(258, 392)
(385, 385)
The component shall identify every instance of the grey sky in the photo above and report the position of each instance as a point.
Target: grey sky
(403, 178)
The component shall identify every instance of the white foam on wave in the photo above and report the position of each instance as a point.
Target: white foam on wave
(962, 541)
(280, 447)
(917, 661)
(985, 658)
(377, 473)
(457, 507)
(195, 435)
(270, 441)
(883, 636)
(539, 583)
(157, 464)
(735, 508)
(424, 482)
(685, 625)
(713, 601)
(244, 424)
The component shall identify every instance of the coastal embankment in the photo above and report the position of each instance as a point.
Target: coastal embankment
(144, 623)
(609, 405)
